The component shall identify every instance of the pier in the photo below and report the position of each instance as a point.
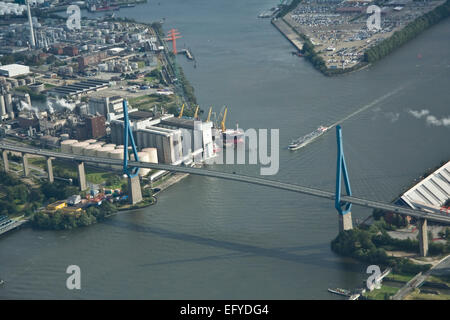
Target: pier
(289, 33)
(188, 53)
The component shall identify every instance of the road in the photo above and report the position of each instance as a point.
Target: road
(235, 177)
(443, 267)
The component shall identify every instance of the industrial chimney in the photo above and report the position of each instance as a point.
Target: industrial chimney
(32, 41)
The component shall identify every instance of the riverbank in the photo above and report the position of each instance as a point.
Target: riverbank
(336, 50)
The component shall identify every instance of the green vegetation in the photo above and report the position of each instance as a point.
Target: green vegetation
(399, 277)
(187, 88)
(381, 294)
(409, 32)
(147, 102)
(60, 220)
(418, 295)
(370, 246)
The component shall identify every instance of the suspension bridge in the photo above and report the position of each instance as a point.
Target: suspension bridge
(343, 203)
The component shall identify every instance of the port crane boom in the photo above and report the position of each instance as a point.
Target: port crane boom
(222, 124)
(209, 114)
(181, 111)
(196, 113)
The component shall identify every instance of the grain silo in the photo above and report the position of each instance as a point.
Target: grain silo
(100, 143)
(91, 150)
(103, 152)
(77, 148)
(118, 155)
(153, 154)
(143, 157)
(66, 145)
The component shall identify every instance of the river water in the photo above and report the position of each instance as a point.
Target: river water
(214, 239)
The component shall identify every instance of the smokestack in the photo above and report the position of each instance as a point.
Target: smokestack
(32, 41)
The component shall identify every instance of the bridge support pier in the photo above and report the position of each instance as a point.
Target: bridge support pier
(423, 236)
(51, 178)
(345, 222)
(134, 190)
(26, 168)
(5, 160)
(81, 176)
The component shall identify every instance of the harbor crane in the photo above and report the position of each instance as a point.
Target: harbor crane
(173, 35)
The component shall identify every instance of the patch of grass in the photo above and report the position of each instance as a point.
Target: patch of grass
(417, 295)
(399, 277)
(440, 279)
(382, 293)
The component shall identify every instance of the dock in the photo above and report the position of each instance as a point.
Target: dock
(288, 32)
(187, 53)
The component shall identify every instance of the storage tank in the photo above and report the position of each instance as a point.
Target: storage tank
(112, 145)
(77, 148)
(99, 143)
(116, 154)
(64, 136)
(103, 152)
(66, 145)
(143, 157)
(2, 106)
(91, 141)
(120, 147)
(153, 154)
(91, 150)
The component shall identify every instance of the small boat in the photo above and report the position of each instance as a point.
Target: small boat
(2, 282)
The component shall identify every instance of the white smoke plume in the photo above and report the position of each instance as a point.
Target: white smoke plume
(58, 104)
(430, 119)
(26, 106)
(50, 108)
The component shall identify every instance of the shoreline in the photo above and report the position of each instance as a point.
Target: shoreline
(371, 54)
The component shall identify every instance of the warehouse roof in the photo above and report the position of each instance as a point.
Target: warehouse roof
(434, 190)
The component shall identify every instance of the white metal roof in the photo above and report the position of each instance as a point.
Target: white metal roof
(434, 190)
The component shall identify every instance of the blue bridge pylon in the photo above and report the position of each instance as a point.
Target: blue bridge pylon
(128, 134)
(343, 208)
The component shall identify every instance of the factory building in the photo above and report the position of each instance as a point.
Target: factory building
(196, 136)
(105, 105)
(79, 88)
(14, 70)
(176, 140)
(92, 127)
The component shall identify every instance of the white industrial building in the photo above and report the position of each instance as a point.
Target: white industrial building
(431, 193)
(14, 70)
(176, 140)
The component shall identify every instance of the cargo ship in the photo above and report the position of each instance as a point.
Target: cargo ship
(104, 6)
(303, 141)
(230, 137)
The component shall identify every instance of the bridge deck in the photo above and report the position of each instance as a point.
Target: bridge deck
(236, 177)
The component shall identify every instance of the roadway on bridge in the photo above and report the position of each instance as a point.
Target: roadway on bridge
(236, 177)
